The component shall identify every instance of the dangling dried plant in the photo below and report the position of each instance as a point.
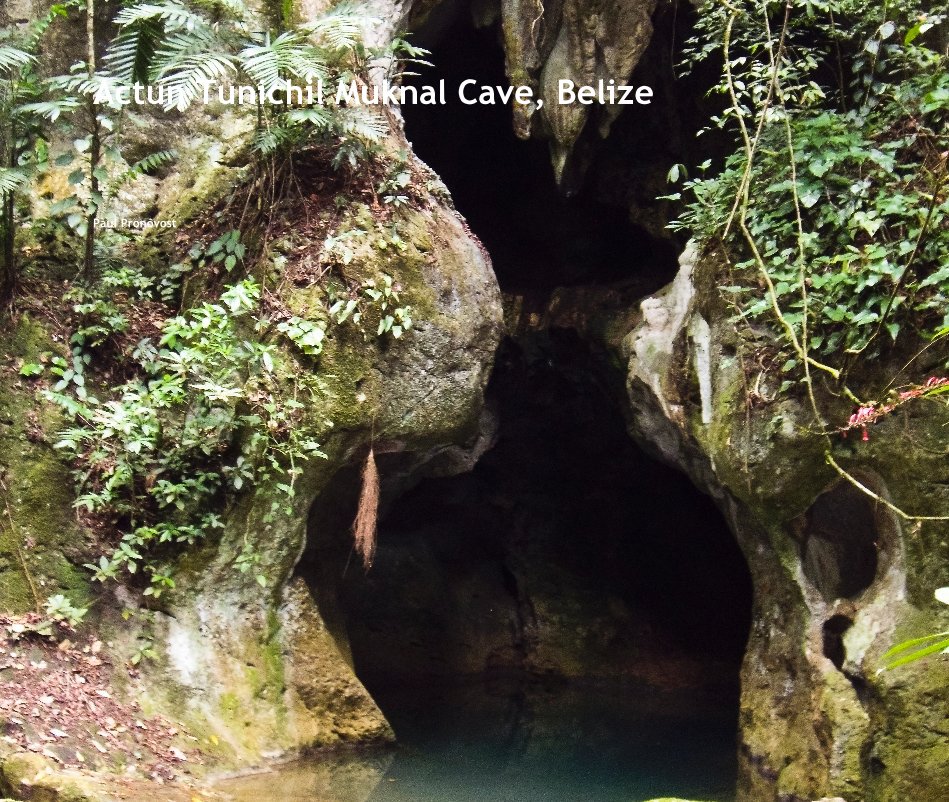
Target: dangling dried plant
(367, 513)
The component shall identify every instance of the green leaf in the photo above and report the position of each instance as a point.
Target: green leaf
(934, 648)
(913, 33)
(30, 369)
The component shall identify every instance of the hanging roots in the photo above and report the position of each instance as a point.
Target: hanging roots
(364, 527)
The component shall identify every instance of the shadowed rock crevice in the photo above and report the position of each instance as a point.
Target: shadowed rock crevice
(840, 542)
(834, 629)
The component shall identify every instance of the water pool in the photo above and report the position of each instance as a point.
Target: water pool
(482, 743)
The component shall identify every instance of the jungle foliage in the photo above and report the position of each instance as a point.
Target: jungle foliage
(832, 214)
(171, 428)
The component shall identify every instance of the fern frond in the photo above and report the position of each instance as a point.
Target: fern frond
(175, 15)
(287, 55)
(268, 140)
(359, 123)
(319, 117)
(262, 63)
(184, 80)
(50, 110)
(146, 165)
(306, 63)
(341, 28)
(177, 43)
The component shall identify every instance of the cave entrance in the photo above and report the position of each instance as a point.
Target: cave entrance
(568, 588)
(567, 619)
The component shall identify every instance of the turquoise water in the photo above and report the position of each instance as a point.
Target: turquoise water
(481, 744)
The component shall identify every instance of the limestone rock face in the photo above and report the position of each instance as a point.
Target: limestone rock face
(838, 578)
(258, 667)
(252, 670)
(255, 669)
(584, 41)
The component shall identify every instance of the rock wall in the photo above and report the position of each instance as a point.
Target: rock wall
(259, 666)
(838, 578)
(253, 672)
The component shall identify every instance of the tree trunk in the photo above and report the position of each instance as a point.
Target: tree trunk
(8, 261)
(95, 147)
(8, 227)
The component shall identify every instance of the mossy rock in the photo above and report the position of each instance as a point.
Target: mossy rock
(41, 543)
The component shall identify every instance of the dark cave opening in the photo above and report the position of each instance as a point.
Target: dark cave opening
(568, 570)
(605, 226)
(834, 630)
(566, 555)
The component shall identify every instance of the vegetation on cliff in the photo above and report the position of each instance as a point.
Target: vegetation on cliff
(832, 215)
(180, 393)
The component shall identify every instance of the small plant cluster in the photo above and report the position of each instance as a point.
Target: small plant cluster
(384, 296)
(381, 294)
(396, 185)
(204, 415)
(59, 614)
(833, 213)
(159, 456)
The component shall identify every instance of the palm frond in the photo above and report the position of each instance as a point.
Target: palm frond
(11, 179)
(132, 52)
(13, 59)
(38, 28)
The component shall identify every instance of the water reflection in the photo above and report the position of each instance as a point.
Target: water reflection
(334, 777)
(491, 744)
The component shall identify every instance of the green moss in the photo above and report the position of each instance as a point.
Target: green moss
(229, 704)
(40, 541)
